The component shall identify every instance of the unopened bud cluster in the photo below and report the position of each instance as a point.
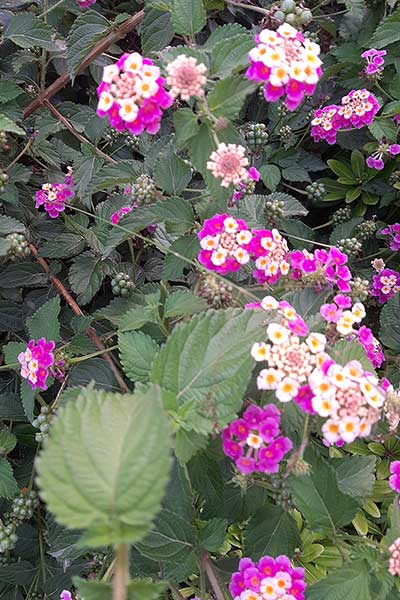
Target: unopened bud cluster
(23, 506)
(4, 145)
(122, 285)
(274, 209)
(366, 229)
(315, 191)
(256, 135)
(4, 179)
(288, 11)
(285, 133)
(144, 190)
(217, 292)
(18, 246)
(8, 537)
(359, 289)
(349, 246)
(342, 215)
(281, 493)
(43, 422)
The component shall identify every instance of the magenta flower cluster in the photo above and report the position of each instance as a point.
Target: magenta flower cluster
(224, 244)
(85, 3)
(118, 214)
(385, 285)
(325, 267)
(65, 595)
(36, 362)
(268, 579)
(372, 347)
(384, 150)
(254, 441)
(375, 61)
(132, 95)
(393, 231)
(394, 479)
(53, 196)
(287, 63)
(356, 110)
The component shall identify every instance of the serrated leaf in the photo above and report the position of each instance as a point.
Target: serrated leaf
(105, 464)
(8, 441)
(28, 399)
(230, 55)
(213, 534)
(182, 303)
(172, 173)
(137, 353)
(355, 476)
(185, 124)
(8, 485)
(85, 171)
(271, 531)
(111, 176)
(350, 582)
(44, 322)
(383, 128)
(345, 351)
(11, 351)
(64, 246)
(27, 31)
(228, 96)
(295, 173)
(223, 33)
(271, 176)
(188, 16)
(24, 274)
(291, 206)
(9, 91)
(388, 32)
(10, 225)
(156, 29)
(344, 230)
(8, 125)
(87, 274)
(390, 323)
(86, 31)
(186, 247)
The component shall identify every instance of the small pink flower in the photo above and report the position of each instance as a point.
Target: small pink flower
(83, 4)
(385, 284)
(186, 77)
(118, 214)
(394, 561)
(384, 151)
(53, 196)
(65, 595)
(393, 231)
(36, 362)
(330, 312)
(228, 161)
(375, 61)
(224, 244)
(394, 479)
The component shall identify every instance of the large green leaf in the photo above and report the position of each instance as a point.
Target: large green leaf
(383, 128)
(205, 365)
(318, 497)
(105, 465)
(388, 32)
(87, 274)
(28, 31)
(44, 322)
(271, 531)
(390, 323)
(8, 485)
(349, 582)
(231, 54)
(228, 95)
(86, 31)
(156, 30)
(188, 16)
(137, 351)
(355, 476)
(172, 173)
(138, 589)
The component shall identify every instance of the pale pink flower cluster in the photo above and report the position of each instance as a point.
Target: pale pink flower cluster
(349, 397)
(394, 561)
(229, 162)
(344, 316)
(186, 77)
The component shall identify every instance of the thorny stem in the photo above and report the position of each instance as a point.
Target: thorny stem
(121, 573)
(218, 592)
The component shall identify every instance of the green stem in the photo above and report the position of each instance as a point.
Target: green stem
(49, 10)
(248, 6)
(9, 367)
(295, 237)
(78, 359)
(132, 251)
(323, 225)
(121, 573)
(328, 15)
(295, 189)
(380, 88)
(304, 439)
(212, 578)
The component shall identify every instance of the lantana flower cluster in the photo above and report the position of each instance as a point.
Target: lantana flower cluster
(53, 196)
(384, 150)
(371, 345)
(343, 314)
(394, 560)
(357, 109)
(229, 162)
(268, 579)
(132, 95)
(186, 77)
(254, 441)
(385, 285)
(349, 397)
(85, 3)
(36, 362)
(270, 251)
(287, 63)
(325, 267)
(375, 61)
(393, 231)
(225, 244)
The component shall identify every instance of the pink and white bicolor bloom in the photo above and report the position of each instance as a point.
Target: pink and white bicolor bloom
(224, 244)
(186, 77)
(229, 162)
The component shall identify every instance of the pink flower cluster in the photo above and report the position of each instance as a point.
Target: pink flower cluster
(252, 175)
(270, 252)
(287, 63)
(371, 345)
(375, 61)
(356, 110)
(394, 479)
(132, 95)
(118, 214)
(254, 441)
(376, 159)
(65, 595)
(394, 560)
(322, 267)
(85, 3)
(393, 231)
(53, 196)
(344, 319)
(225, 244)
(385, 285)
(36, 362)
(348, 397)
(186, 77)
(229, 162)
(269, 579)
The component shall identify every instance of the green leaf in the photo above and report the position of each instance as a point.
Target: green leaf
(87, 274)
(11, 351)
(388, 32)
(86, 170)
(9, 91)
(187, 444)
(8, 441)
(137, 353)
(223, 33)
(156, 29)
(105, 464)
(186, 247)
(344, 230)
(10, 225)
(271, 531)
(9, 126)
(186, 125)
(230, 55)
(8, 485)
(344, 351)
(208, 387)
(188, 16)
(27, 31)
(172, 173)
(358, 164)
(340, 169)
(295, 173)
(391, 109)
(138, 589)
(390, 323)
(88, 29)
(350, 582)
(44, 322)
(228, 96)
(318, 497)
(271, 176)
(291, 206)
(182, 303)
(297, 229)
(28, 399)
(66, 246)
(111, 176)
(212, 536)
(138, 316)
(355, 476)
(383, 128)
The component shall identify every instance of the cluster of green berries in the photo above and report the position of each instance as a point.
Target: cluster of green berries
(218, 293)
(315, 191)
(394, 178)
(144, 190)
(289, 12)
(4, 179)
(4, 145)
(281, 494)
(282, 109)
(359, 289)
(274, 209)
(18, 246)
(313, 37)
(8, 537)
(285, 133)
(342, 215)
(23, 506)
(122, 285)
(349, 246)
(43, 422)
(365, 230)
(132, 141)
(256, 135)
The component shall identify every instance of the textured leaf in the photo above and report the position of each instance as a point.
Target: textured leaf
(110, 176)
(8, 441)
(28, 399)
(10, 225)
(345, 351)
(228, 95)
(188, 16)
(105, 464)
(156, 29)
(271, 176)
(230, 55)
(186, 247)
(8, 485)
(182, 303)
(28, 31)
(8, 125)
(223, 33)
(44, 322)
(390, 323)
(271, 531)
(9, 91)
(172, 174)
(86, 31)
(25, 274)
(350, 582)
(212, 536)
(87, 274)
(67, 245)
(383, 128)
(137, 353)
(291, 206)
(185, 124)
(11, 408)
(355, 476)
(388, 32)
